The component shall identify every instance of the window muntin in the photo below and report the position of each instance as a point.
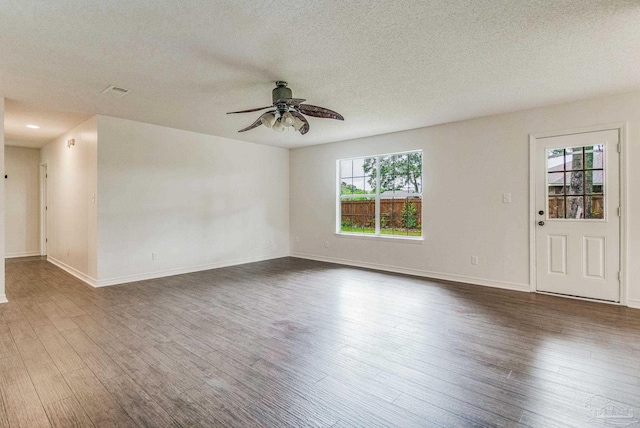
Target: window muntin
(381, 195)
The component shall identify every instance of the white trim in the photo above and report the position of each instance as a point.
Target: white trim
(153, 275)
(381, 237)
(584, 130)
(532, 214)
(624, 218)
(621, 127)
(27, 254)
(422, 273)
(633, 303)
(73, 271)
(3, 298)
(180, 271)
(44, 168)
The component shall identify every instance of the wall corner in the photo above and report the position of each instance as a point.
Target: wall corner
(3, 298)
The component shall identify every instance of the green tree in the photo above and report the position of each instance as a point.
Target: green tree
(348, 188)
(409, 215)
(396, 172)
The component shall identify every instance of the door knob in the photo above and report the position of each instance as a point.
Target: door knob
(541, 223)
(541, 212)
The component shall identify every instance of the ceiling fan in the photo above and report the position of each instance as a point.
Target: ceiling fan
(288, 112)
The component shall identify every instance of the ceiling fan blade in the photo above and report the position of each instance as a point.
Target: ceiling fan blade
(305, 128)
(290, 101)
(316, 111)
(257, 123)
(249, 111)
(253, 125)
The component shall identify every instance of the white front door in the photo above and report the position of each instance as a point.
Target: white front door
(577, 215)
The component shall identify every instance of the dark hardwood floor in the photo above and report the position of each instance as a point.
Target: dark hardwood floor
(295, 343)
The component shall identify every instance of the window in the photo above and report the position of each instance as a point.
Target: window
(381, 195)
(575, 179)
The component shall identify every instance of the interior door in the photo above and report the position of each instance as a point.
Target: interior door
(577, 215)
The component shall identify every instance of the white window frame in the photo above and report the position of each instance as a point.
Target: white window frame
(377, 198)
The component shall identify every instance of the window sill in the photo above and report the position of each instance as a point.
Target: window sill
(404, 239)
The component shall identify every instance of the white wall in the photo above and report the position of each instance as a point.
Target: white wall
(467, 167)
(72, 221)
(22, 200)
(196, 200)
(3, 298)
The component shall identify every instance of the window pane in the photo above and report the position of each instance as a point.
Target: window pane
(595, 207)
(358, 185)
(401, 216)
(575, 207)
(357, 207)
(387, 176)
(401, 174)
(594, 157)
(346, 168)
(345, 206)
(415, 172)
(396, 216)
(415, 185)
(555, 160)
(575, 183)
(358, 167)
(369, 167)
(594, 181)
(346, 186)
(556, 183)
(411, 213)
(556, 207)
(357, 215)
(573, 158)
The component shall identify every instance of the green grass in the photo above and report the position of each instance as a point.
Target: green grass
(370, 230)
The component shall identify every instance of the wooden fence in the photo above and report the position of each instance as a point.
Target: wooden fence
(363, 212)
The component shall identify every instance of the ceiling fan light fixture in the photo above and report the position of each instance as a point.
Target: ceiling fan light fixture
(278, 126)
(287, 119)
(289, 112)
(268, 119)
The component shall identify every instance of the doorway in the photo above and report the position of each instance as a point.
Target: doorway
(577, 214)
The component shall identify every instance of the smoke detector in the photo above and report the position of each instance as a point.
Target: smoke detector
(116, 91)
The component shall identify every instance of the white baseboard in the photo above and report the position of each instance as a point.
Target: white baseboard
(73, 271)
(633, 303)
(16, 255)
(180, 271)
(423, 273)
(3, 298)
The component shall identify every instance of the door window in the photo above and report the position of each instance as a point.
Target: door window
(575, 182)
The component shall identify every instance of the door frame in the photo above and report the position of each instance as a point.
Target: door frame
(44, 218)
(622, 139)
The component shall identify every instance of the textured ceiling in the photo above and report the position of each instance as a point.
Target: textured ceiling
(386, 66)
(52, 124)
